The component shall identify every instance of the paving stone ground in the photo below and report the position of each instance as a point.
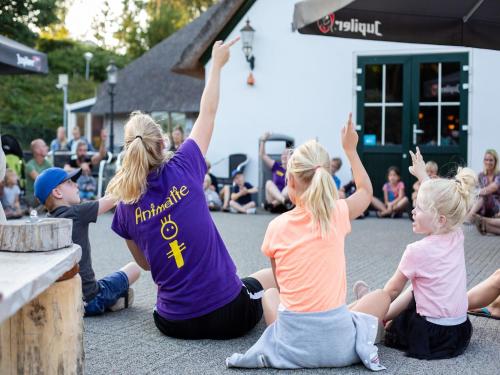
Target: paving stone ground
(127, 342)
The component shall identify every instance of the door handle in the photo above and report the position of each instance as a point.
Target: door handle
(415, 132)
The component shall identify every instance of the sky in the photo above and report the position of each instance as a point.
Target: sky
(82, 12)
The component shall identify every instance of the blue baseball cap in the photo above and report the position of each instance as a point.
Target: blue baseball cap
(50, 178)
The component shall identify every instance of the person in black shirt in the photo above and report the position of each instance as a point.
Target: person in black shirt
(241, 196)
(58, 191)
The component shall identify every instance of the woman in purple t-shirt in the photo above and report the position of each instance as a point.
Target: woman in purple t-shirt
(167, 226)
(276, 189)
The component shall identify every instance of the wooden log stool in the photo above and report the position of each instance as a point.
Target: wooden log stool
(41, 308)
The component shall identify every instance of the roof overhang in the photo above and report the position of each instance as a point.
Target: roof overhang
(197, 53)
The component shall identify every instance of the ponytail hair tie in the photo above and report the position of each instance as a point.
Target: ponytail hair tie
(138, 136)
(317, 167)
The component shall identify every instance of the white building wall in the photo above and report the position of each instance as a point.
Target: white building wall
(304, 87)
(484, 108)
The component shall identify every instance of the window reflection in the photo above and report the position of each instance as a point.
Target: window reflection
(393, 125)
(427, 123)
(450, 125)
(394, 83)
(429, 82)
(373, 83)
(450, 82)
(373, 126)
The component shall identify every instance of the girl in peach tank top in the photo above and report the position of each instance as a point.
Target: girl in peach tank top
(309, 324)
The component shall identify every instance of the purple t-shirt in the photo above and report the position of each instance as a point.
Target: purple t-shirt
(172, 226)
(279, 175)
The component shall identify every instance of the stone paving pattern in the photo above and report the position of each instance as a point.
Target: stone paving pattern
(127, 342)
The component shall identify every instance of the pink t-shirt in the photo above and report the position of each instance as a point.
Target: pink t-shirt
(436, 267)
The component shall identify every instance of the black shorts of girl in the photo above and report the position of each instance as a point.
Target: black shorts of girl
(422, 339)
(232, 320)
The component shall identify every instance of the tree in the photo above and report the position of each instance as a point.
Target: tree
(19, 19)
(131, 34)
(160, 19)
(31, 105)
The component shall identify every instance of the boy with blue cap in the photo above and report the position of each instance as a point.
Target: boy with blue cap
(57, 190)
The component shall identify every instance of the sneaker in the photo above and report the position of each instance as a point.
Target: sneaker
(360, 289)
(251, 211)
(124, 302)
(233, 210)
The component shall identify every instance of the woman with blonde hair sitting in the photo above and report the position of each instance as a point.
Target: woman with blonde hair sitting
(163, 216)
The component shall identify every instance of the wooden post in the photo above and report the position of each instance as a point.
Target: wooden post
(46, 335)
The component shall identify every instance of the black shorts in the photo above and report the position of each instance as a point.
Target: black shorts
(232, 320)
(422, 339)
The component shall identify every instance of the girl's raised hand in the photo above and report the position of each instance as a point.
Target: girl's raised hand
(349, 136)
(418, 167)
(220, 52)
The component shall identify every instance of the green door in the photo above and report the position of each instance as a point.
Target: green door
(409, 101)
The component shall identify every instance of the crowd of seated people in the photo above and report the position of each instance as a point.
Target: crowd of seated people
(18, 199)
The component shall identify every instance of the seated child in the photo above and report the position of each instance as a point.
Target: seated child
(241, 196)
(484, 298)
(87, 184)
(309, 324)
(10, 196)
(224, 193)
(429, 320)
(395, 200)
(431, 168)
(336, 164)
(213, 201)
(58, 192)
(276, 192)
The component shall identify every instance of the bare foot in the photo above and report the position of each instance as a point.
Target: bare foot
(360, 289)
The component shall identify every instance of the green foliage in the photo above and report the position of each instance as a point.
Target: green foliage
(165, 21)
(130, 34)
(163, 18)
(17, 18)
(31, 106)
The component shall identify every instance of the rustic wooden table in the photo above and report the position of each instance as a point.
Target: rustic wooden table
(41, 319)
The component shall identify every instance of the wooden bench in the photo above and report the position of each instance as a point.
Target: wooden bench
(41, 318)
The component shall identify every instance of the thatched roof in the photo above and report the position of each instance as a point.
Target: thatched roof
(148, 84)
(193, 56)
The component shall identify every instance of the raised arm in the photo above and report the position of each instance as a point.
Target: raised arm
(204, 125)
(360, 200)
(102, 149)
(262, 152)
(418, 166)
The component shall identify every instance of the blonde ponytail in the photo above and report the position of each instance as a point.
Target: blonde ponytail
(310, 164)
(143, 152)
(452, 198)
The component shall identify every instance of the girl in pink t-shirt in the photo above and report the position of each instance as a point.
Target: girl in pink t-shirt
(429, 321)
(395, 201)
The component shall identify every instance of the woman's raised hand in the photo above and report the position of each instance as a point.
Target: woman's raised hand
(220, 52)
(349, 136)
(418, 167)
